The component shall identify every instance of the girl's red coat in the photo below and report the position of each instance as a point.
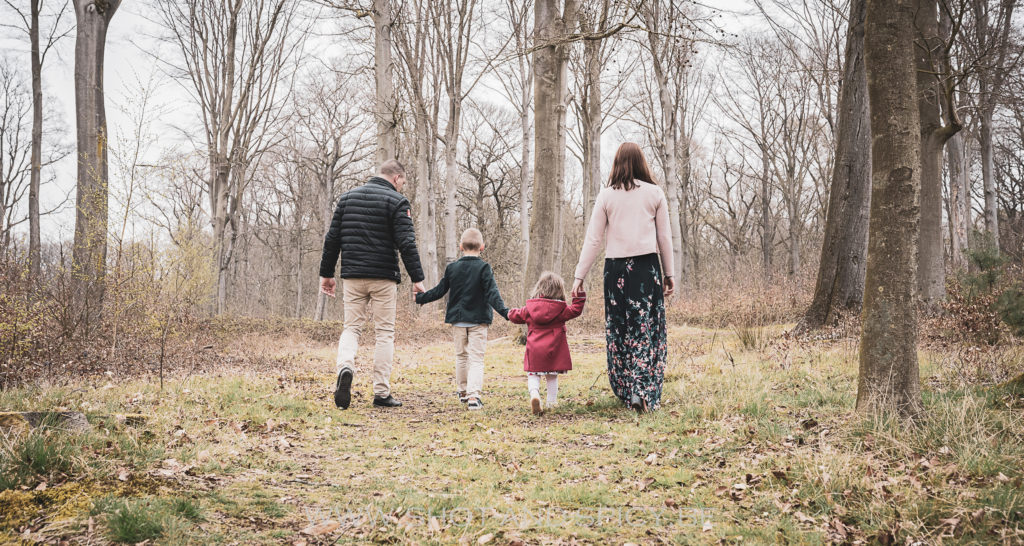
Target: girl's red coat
(547, 349)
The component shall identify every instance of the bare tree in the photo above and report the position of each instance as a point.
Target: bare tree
(888, 377)
(553, 21)
(15, 150)
(89, 252)
(839, 286)
(991, 45)
(517, 86)
(415, 40)
(234, 55)
(32, 23)
(331, 131)
(939, 122)
(455, 25)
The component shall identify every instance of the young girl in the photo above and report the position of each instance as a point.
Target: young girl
(547, 349)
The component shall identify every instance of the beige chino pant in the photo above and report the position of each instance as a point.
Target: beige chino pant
(363, 297)
(470, 344)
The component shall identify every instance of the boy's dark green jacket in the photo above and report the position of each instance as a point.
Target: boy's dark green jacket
(473, 292)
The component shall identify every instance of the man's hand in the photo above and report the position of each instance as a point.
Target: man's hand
(577, 288)
(327, 286)
(418, 288)
(669, 286)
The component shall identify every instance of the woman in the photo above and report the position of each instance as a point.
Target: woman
(631, 220)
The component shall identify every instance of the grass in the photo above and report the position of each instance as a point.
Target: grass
(757, 443)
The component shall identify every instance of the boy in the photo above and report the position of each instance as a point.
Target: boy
(473, 294)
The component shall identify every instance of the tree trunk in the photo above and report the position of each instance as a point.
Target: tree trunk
(385, 107)
(427, 232)
(888, 376)
(931, 270)
(89, 253)
(840, 283)
(592, 123)
(767, 227)
(451, 170)
(34, 242)
(684, 271)
(988, 176)
(959, 210)
(525, 180)
(550, 90)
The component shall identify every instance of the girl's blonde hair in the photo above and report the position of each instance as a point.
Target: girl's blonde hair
(549, 286)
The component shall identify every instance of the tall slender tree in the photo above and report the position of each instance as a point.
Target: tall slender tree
(41, 41)
(889, 377)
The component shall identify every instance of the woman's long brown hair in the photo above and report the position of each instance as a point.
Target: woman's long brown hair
(629, 166)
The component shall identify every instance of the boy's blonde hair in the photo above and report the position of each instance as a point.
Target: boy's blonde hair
(549, 286)
(472, 240)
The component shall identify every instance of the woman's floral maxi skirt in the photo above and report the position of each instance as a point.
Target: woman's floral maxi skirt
(634, 311)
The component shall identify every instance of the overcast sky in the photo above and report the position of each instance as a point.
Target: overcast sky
(132, 62)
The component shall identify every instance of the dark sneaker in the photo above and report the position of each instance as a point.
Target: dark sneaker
(388, 402)
(474, 404)
(463, 397)
(638, 404)
(535, 405)
(343, 389)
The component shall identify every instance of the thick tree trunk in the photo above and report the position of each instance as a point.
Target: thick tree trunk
(888, 376)
(959, 210)
(550, 89)
(34, 241)
(89, 253)
(840, 283)
(385, 107)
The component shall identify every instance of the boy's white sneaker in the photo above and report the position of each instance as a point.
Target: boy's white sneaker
(474, 403)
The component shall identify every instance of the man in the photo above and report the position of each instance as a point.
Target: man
(372, 224)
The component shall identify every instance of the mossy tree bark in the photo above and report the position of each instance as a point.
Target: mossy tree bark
(840, 283)
(888, 376)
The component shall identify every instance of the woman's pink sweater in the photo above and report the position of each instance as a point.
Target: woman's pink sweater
(631, 223)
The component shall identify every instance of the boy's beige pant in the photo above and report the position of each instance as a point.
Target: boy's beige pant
(470, 344)
(363, 297)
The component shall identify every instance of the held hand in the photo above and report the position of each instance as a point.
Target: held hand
(577, 288)
(669, 286)
(418, 288)
(327, 286)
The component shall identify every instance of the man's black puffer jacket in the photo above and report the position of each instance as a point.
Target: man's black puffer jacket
(371, 225)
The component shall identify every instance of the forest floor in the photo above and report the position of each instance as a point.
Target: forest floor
(754, 444)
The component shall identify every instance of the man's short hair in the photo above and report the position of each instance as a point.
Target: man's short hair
(472, 239)
(392, 167)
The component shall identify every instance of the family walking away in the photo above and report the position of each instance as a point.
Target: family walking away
(372, 227)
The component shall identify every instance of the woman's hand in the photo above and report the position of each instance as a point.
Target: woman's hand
(577, 287)
(669, 286)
